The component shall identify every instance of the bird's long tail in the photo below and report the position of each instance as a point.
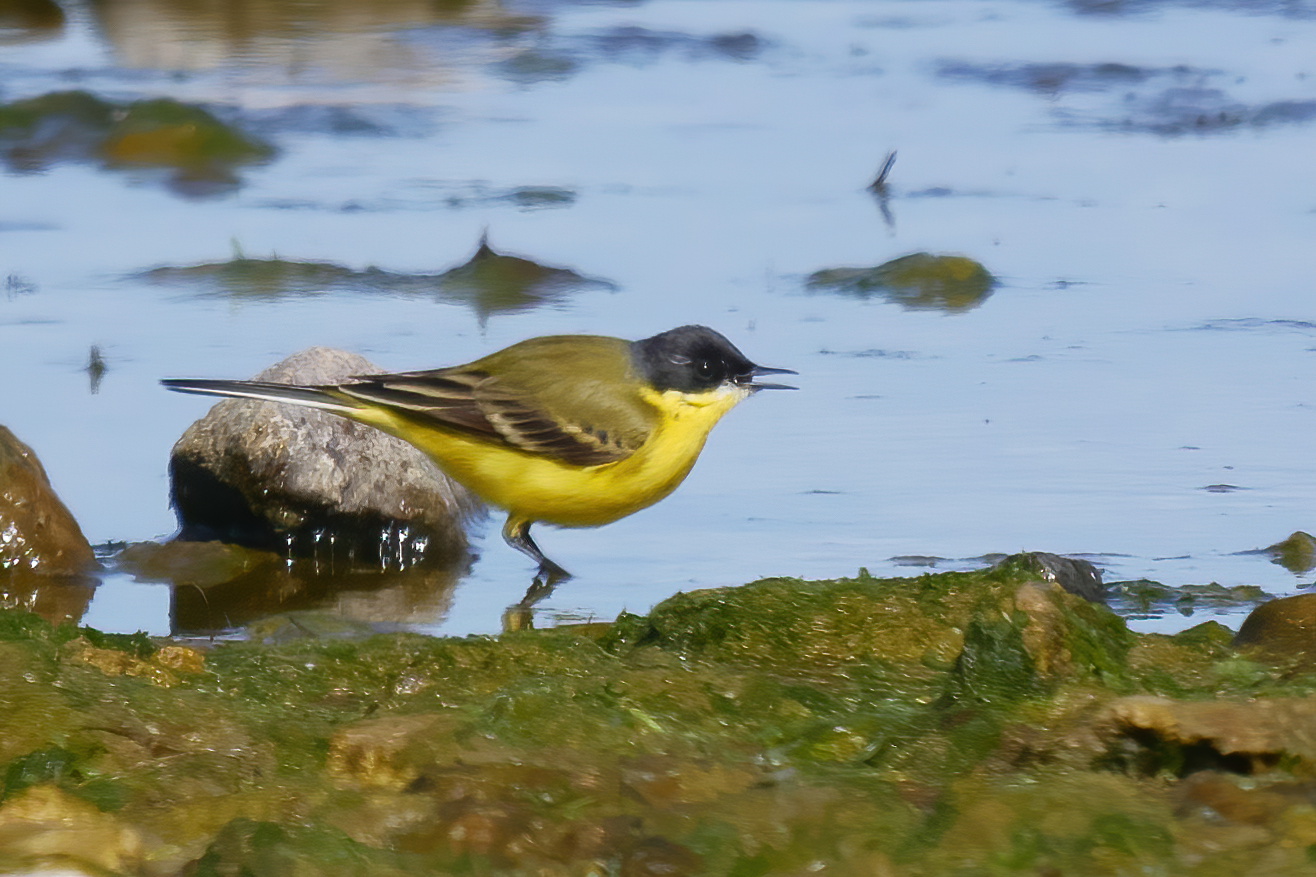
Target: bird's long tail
(310, 397)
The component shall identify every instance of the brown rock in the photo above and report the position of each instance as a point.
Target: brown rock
(43, 827)
(663, 781)
(162, 668)
(1221, 795)
(656, 856)
(305, 482)
(1282, 627)
(383, 752)
(1238, 736)
(1045, 635)
(37, 532)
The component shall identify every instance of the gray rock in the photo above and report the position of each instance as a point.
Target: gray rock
(1074, 575)
(307, 483)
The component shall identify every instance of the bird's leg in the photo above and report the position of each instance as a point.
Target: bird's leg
(517, 533)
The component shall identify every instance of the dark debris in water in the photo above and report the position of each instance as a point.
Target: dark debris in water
(1165, 101)
(525, 198)
(1254, 324)
(1054, 78)
(552, 59)
(1204, 110)
(1302, 9)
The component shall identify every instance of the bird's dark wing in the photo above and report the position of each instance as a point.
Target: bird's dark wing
(504, 410)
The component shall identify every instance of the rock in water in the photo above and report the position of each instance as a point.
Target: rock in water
(1077, 576)
(37, 532)
(308, 483)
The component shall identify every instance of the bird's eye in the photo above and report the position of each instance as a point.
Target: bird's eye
(704, 368)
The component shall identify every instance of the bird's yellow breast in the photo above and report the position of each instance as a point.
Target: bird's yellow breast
(539, 488)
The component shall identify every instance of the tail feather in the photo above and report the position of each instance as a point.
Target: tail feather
(308, 397)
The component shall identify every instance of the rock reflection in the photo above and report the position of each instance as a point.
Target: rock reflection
(57, 599)
(29, 20)
(349, 39)
(219, 587)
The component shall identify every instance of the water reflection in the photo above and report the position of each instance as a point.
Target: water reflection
(58, 599)
(96, 369)
(29, 20)
(347, 39)
(717, 158)
(219, 587)
(420, 597)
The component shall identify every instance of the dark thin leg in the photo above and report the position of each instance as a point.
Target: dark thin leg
(517, 534)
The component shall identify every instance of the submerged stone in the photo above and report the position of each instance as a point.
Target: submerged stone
(243, 277)
(919, 281)
(489, 283)
(305, 483)
(203, 151)
(494, 283)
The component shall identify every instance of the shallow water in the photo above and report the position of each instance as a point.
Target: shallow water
(1137, 176)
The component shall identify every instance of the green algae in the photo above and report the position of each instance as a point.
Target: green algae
(960, 723)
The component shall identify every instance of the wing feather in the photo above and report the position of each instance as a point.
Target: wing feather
(469, 399)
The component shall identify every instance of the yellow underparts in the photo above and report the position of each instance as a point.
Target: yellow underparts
(535, 488)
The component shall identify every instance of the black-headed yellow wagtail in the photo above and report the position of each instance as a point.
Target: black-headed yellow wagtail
(573, 430)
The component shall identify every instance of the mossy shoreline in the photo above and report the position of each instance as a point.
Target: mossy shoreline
(954, 723)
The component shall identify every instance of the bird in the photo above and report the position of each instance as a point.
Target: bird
(568, 430)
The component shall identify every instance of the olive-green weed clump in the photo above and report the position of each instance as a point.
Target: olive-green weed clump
(960, 723)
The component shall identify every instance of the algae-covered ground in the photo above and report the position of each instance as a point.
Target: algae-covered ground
(959, 723)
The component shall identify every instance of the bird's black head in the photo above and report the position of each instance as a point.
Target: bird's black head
(695, 359)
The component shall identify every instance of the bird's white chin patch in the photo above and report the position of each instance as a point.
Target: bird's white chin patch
(724, 396)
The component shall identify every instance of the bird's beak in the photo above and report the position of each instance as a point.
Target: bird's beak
(747, 380)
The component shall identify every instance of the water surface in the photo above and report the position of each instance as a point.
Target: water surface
(1136, 389)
